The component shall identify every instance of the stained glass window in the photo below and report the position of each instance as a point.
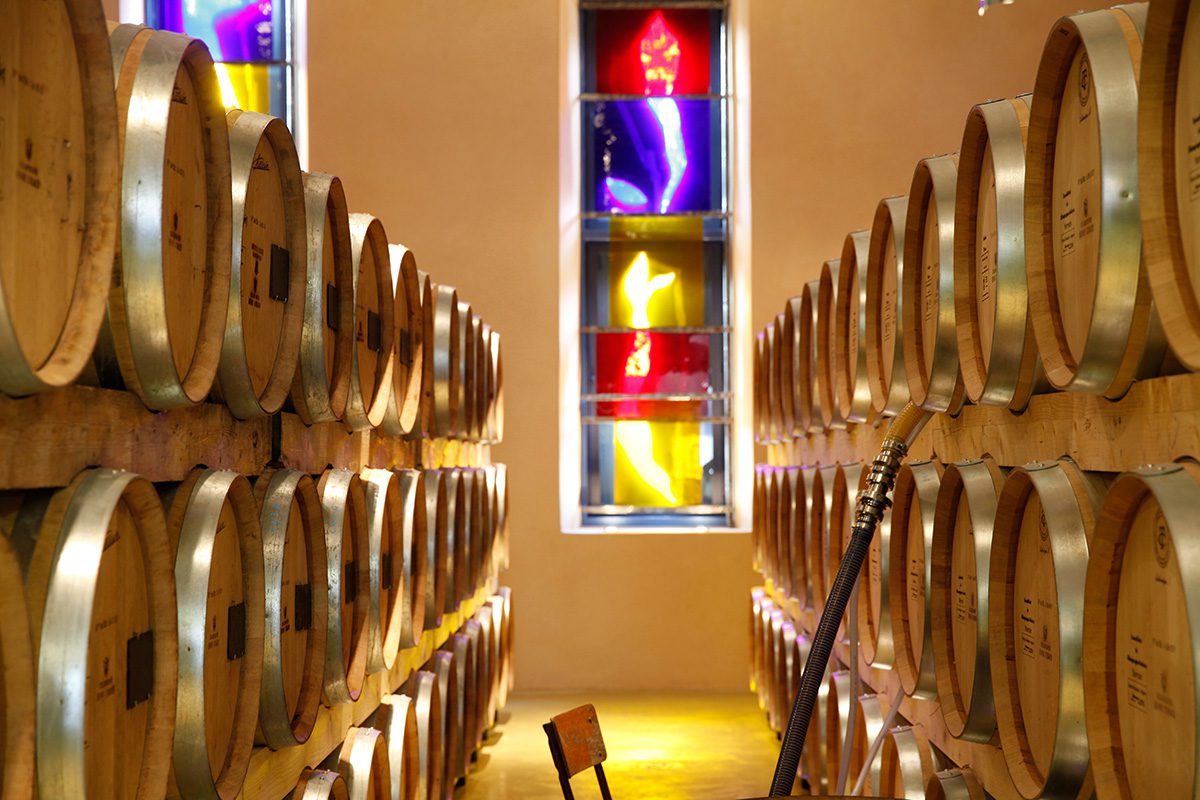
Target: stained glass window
(655, 309)
(249, 39)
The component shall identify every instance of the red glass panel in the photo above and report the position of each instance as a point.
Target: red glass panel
(653, 53)
(642, 362)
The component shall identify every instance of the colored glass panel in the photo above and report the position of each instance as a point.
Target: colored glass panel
(656, 464)
(642, 362)
(656, 283)
(251, 87)
(652, 156)
(234, 30)
(652, 52)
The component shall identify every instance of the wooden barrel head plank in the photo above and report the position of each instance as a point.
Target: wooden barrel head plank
(853, 390)
(297, 613)
(320, 784)
(827, 288)
(322, 382)
(219, 576)
(175, 182)
(385, 566)
(423, 689)
(60, 169)
(997, 350)
(959, 601)
(437, 546)
(1090, 304)
(909, 582)
(1169, 169)
(265, 317)
(906, 763)
(884, 322)
(927, 307)
(1139, 648)
(397, 718)
(104, 713)
(408, 354)
(374, 325)
(343, 509)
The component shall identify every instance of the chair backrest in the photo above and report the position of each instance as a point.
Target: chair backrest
(575, 745)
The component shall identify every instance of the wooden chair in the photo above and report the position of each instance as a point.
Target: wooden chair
(575, 745)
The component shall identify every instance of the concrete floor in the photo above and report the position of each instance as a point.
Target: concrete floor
(660, 747)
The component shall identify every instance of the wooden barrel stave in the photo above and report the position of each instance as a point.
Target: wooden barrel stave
(213, 521)
(322, 383)
(297, 613)
(263, 323)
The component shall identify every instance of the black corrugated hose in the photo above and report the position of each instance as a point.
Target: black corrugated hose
(872, 502)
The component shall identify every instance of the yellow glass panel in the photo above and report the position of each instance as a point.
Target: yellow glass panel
(657, 463)
(245, 86)
(656, 272)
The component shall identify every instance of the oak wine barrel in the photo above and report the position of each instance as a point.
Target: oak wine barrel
(374, 325)
(808, 408)
(503, 531)
(265, 316)
(475, 706)
(914, 508)
(758, 508)
(771, 382)
(477, 389)
(760, 388)
(869, 725)
(927, 300)
(385, 566)
(297, 613)
(457, 511)
(820, 510)
(1089, 298)
(846, 479)
(397, 718)
(874, 592)
(773, 643)
(813, 766)
(93, 656)
(343, 509)
(762, 628)
(424, 424)
(466, 655)
(787, 670)
(423, 689)
(442, 665)
(500, 673)
(827, 288)
(213, 521)
(404, 402)
(853, 389)
(1168, 170)
(791, 369)
(781, 558)
(436, 540)
(498, 390)
(322, 383)
(959, 600)
(884, 320)
(415, 519)
(441, 328)
(757, 596)
(955, 784)
(320, 784)
(1140, 640)
(906, 763)
(782, 397)
(489, 412)
(997, 351)
(465, 370)
(363, 763)
(837, 722)
(486, 668)
(60, 173)
(161, 337)
(793, 524)
(1045, 517)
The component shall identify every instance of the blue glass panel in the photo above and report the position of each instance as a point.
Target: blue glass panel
(234, 30)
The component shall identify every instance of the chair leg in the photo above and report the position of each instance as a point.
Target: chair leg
(564, 780)
(604, 793)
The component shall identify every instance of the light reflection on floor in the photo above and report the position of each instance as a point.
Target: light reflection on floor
(660, 747)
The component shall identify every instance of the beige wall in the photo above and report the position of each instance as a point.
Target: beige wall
(848, 96)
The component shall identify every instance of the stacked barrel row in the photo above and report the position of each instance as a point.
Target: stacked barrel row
(156, 243)
(1056, 250)
(1044, 607)
(422, 739)
(153, 635)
